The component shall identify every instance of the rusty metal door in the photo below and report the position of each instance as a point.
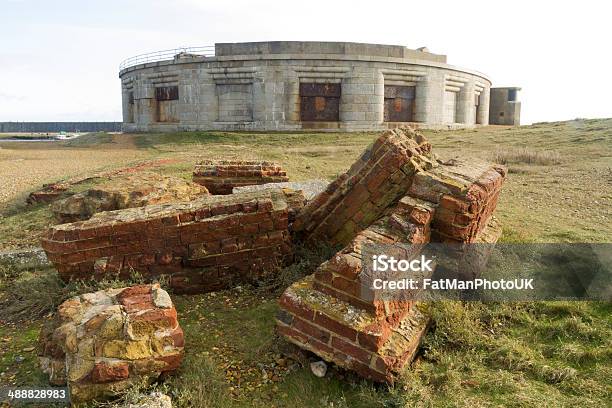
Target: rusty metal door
(167, 103)
(166, 93)
(399, 103)
(320, 102)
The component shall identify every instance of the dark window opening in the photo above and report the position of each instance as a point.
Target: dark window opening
(512, 95)
(130, 107)
(399, 103)
(166, 93)
(501, 114)
(320, 102)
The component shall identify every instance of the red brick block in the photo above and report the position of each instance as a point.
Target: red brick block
(220, 177)
(104, 373)
(334, 326)
(296, 307)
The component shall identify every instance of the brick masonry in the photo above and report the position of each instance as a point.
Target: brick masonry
(220, 177)
(203, 245)
(332, 312)
(98, 344)
(126, 191)
(379, 178)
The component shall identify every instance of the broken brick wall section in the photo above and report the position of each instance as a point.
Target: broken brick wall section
(380, 177)
(326, 314)
(417, 199)
(221, 176)
(465, 193)
(206, 244)
(408, 223)
(349, 336)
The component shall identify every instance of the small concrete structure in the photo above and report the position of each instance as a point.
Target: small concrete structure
(505, 107)
(294, 85)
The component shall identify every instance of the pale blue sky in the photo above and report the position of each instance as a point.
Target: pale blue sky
(59, 59)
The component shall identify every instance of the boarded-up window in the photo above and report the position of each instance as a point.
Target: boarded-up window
(399, 103)
(166, 93)
(320, 102)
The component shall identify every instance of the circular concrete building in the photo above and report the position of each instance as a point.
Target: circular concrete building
(290, 85)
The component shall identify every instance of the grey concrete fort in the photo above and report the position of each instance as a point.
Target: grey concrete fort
(294, 85)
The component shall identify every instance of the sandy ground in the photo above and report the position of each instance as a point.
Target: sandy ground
(23, 170)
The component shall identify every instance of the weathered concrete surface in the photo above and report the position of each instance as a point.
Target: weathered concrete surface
(126, 191)
(222, 176)
(203, 245)
(34, 256)
(98, 344)
(310, 188)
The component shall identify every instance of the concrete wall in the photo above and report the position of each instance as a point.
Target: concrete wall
(44, 127)
(256, 86)
(502, 110)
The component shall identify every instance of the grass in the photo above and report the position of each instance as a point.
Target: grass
(477, 355)
(527, 156)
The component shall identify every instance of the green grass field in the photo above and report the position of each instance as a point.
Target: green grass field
(476, 355)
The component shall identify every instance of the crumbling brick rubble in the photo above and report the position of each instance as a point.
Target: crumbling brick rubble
(98, 344)
(221, 176)
(126, 191)
(206, 244)
(54, 191)
(331, 312)
(465, 193)
(48, 193)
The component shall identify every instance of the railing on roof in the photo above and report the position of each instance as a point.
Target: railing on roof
(167, 55)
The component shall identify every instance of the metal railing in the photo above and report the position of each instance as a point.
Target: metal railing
(167, 55)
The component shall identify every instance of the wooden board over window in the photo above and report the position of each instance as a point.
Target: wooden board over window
(166, 93)
(320, 102)
(399, 103)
